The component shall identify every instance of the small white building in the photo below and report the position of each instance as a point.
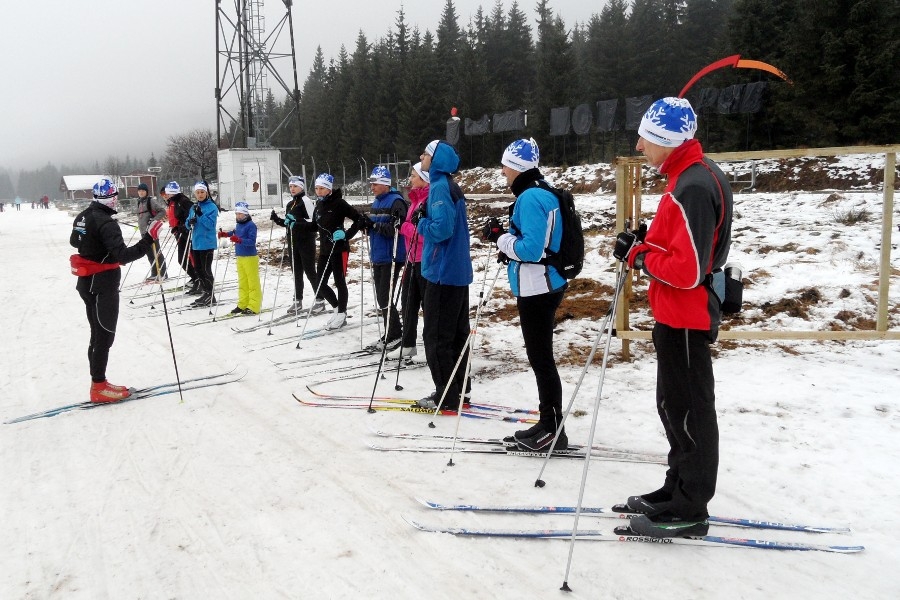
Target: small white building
(252, 175)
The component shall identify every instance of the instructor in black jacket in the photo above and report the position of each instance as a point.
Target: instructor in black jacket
(101, 250)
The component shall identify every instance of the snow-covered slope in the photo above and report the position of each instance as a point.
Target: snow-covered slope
(241, 492)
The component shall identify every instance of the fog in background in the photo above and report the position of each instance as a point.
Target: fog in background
(86, 80)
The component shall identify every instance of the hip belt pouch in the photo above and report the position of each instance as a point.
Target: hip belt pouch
(83, 267)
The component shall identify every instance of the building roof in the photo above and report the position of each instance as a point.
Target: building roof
(80, 182)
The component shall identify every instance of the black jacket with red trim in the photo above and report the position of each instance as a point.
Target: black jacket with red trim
(98, 237)
(688, 239)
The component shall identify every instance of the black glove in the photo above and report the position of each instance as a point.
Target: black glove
(367, 223)
(418, 214)
(625, 241)
(502, 258)
(273, 216)
(179, 230)
(398, 221)
(198, 212)
(641, 232)
(492, 229)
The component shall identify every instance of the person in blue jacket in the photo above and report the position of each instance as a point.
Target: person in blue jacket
(201, 221)
(387, 248)
(447, 270)
(534, 228)
(246, 260)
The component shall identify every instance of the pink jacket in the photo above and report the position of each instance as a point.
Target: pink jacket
(414, 241)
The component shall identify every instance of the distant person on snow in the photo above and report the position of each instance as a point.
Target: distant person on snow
(683, 252)
(201, 221)
(101, 250)
(18, 203)
(149, 209)
(535, 227)
(247, 260)
(178, 207)
(301, 241)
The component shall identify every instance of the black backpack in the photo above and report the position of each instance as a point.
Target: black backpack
(570, 259)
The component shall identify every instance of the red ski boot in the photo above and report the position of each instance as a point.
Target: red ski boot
(105, 392)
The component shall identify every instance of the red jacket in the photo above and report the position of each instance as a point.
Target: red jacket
(688, 239)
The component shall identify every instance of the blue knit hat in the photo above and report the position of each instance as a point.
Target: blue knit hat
(241, 208)
(380, 175)
(521, 155)
(325, 180)
(173, 188)
(298, 181)
(669, 122)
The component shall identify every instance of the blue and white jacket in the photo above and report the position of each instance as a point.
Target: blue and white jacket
(535, 226)
(386, 209)
(204, 227)
(445, 228)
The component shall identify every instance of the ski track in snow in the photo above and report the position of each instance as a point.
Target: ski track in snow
(241, 492)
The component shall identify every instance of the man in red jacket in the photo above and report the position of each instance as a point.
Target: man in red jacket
(683, 252)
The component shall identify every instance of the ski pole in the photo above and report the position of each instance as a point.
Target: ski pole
(623, 271)
(374, 291)
(169, 329)
(388, 317)
(620, 282)
(277, 284)
(407, 278)
(319, 287)
(188, 251)
(469, 337)
(468, 370)
(266, 272)
(222, 286)
(362, 293)
(128, 270)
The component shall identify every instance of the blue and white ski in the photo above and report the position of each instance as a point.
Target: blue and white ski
(605, 536)
(147, 392)
(596, 511)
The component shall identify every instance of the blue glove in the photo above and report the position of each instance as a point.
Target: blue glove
(338, 235)
(289, 220)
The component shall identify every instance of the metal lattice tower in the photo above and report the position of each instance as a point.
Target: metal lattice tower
(245, 64)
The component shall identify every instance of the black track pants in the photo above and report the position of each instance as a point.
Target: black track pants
(445, 332)
(686, 403)
(102, 314)
(537, 315)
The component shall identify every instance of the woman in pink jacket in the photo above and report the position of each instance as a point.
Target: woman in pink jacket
(413, 286)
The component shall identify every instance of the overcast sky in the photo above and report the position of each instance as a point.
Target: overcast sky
(87, 79)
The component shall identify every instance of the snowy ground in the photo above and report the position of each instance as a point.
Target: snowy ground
(241, 492)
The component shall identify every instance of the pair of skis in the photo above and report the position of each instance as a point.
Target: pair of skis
(382, 404)
(194, 383)
(624, 534)
(498, 446)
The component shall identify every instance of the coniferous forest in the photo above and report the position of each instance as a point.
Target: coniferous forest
(384, 96)
(387, 95)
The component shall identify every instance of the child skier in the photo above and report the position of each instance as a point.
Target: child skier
(247, 261)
